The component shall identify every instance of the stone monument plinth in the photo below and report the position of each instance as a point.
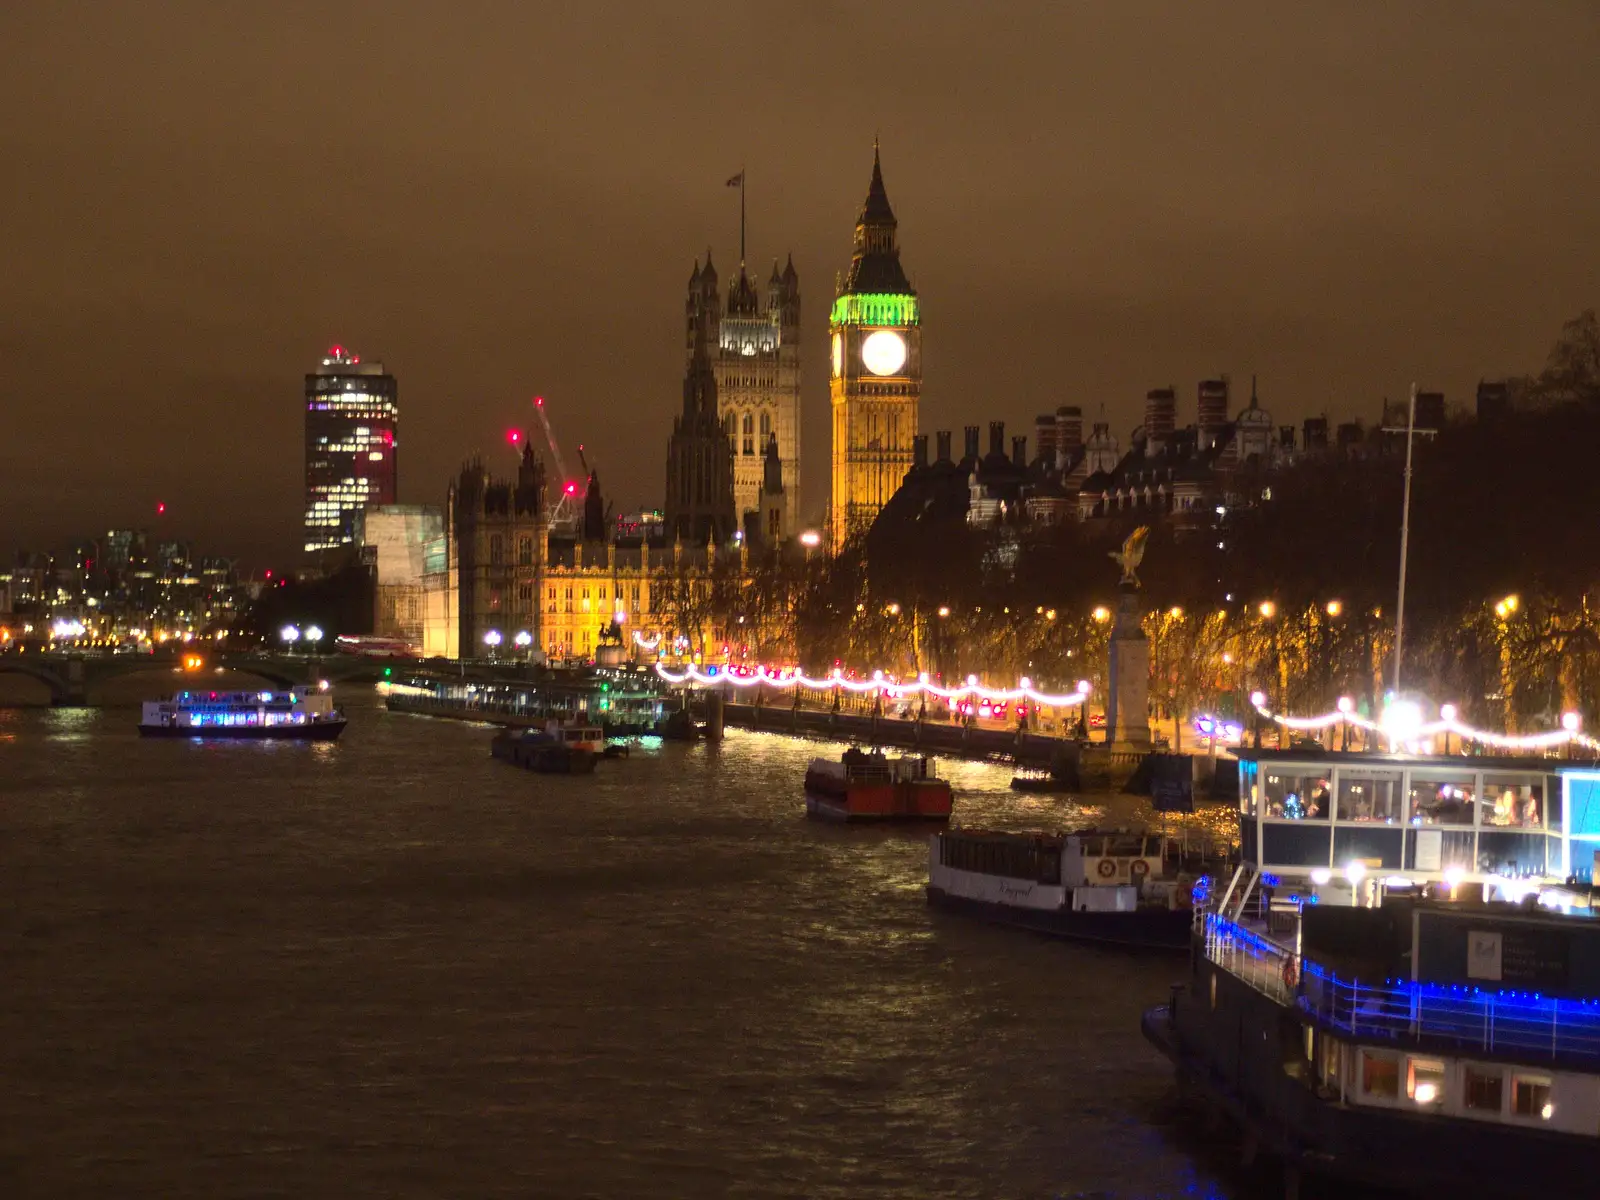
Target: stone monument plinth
(1128, 677)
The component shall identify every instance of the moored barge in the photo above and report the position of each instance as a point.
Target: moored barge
(557, 749)
(868, 786)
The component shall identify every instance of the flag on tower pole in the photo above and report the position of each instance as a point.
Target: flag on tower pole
(737, 180)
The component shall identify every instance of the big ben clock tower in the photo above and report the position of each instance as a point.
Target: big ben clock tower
(876, 381)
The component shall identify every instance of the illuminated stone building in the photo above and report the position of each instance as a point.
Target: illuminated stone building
(352, 409)
(498, 540)
(512, 588)
(754, 350)
(876, 380)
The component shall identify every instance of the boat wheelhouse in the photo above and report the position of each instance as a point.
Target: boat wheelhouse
(297, 714)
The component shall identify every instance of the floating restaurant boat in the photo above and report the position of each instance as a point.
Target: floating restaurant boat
(623, 703)
(557, 749)
(1117, 887)
(867, 786)
(297, 715)
(1400, 985)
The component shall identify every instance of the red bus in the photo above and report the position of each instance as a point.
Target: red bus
(374, 647)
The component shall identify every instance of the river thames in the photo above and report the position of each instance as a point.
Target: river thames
(392, 966)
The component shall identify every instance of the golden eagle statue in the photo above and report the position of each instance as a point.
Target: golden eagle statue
(1131, 554)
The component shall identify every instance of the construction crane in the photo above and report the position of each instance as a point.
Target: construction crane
(566, 498)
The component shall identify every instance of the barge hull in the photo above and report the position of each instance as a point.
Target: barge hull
(1237, 1059)
(1160, 929)
(323, 731)
(836, 808)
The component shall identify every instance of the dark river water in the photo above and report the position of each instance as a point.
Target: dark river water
(395, 967)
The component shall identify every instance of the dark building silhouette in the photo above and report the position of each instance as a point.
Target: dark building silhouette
(700, 506)
(1494, 400)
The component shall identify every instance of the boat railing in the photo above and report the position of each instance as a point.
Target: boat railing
(1262, 964)
(1492, 1022)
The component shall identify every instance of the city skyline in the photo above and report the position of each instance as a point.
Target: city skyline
(1127, 218)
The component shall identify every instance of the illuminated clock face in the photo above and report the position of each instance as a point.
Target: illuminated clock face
(838, 355)
(883, 352)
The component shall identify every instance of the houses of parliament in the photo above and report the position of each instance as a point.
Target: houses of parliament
(505, 568)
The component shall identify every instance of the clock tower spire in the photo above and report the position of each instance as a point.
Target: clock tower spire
(876, 381)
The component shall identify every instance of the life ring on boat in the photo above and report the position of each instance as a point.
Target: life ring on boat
(1291, 974)
(1138, 868)
(1107, 868)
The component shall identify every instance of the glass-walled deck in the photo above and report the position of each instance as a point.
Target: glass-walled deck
(1427, 817)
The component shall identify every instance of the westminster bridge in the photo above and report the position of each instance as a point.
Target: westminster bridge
(77, 678)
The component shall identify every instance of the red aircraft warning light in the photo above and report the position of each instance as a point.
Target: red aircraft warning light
(513, 436)
(161, 508)
(571, 489)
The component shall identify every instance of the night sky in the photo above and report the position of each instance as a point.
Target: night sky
(499, 200)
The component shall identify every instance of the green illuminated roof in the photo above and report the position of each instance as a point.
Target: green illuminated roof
(874, 308)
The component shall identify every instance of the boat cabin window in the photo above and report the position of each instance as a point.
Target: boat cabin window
(1371, 797)
(1530, 1097)
(1331, 1061)
(1295, 797)
(1443, 798)
(1011, 858)
(1249, 789)
(1380, 1075)
(1425, 1080)
(1124, 847)
(1513, 801)
(1482, 1089)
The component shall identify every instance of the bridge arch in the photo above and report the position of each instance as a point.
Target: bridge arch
(18, 664)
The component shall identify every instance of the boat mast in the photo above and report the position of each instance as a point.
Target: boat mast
(1405, 537)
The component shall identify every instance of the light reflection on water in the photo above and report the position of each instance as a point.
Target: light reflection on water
(392, 964)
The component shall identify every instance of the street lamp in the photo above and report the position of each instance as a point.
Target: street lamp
(523, 639)
(1101, 613)
(492, 640)
(1267, 609)
(289, 634)
(944, 610)
(313, 635)
(1334, 608)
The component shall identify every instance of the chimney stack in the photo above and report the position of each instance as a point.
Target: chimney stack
(997, 438)
(1044, 433)
(1019, 453)
(1160, 419)
(919, 451)
(1069, 434)
(1212, 412)
(943, 437)
(972, 443)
